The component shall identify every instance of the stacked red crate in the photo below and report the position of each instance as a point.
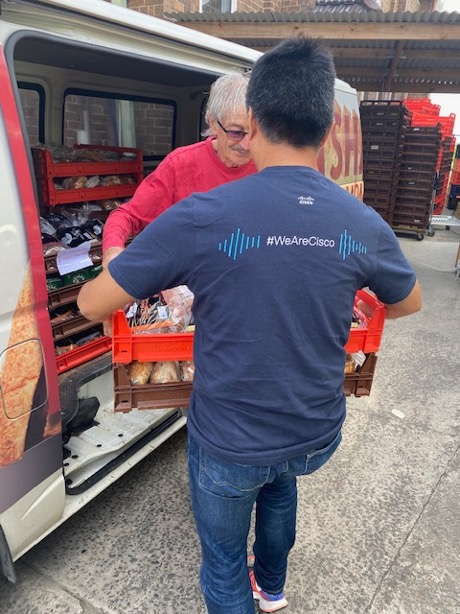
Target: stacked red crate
(425, 114)
(454, 191)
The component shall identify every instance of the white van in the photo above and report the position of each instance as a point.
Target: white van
(125, 83)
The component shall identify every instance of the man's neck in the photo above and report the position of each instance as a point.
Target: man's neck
(284, 155)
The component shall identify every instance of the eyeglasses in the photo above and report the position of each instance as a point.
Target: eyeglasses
(233, 135)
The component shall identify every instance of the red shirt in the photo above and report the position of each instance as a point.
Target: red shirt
(194, 168)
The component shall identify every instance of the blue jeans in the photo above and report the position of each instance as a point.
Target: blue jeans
(223, 495)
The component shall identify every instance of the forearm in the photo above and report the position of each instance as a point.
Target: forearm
(100, 297)
(119, 227)
(411, 304)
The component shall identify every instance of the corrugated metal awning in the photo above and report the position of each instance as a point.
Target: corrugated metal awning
(374, 50)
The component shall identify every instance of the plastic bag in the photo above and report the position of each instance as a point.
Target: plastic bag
(179, 301)
(165, 372)
(74, 183)
(74, 236)
(47, 228)
(187, 370)
(139, 372)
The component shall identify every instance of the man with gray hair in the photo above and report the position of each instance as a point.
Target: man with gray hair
(222, 157)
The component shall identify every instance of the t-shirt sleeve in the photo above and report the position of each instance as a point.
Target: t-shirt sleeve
(393, 278)
(154, 195)
(160, 257)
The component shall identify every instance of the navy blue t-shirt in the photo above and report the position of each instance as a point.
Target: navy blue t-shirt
(274, 261)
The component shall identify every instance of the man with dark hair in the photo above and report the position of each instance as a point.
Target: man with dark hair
(271, 263)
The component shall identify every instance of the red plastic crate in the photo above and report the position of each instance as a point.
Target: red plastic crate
(129, 345)
(47, 170)
(367, 338)
(132, 344)
(82, 354)
(423, 105)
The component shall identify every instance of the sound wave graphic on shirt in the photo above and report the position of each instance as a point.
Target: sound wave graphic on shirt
(348, 245)
(237, 243)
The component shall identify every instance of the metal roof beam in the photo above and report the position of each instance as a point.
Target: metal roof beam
(359, 53)
(402, 73)
(418, 88)
(329, 30)
(431, 54)
(394, 64)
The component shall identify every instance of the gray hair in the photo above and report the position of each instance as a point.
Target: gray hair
(226, 97)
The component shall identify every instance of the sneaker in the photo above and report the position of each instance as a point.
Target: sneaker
(267, 602)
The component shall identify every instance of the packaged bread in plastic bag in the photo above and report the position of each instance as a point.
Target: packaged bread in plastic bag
(179, 301)
(165, 372)
(187, 370)
(139, 372)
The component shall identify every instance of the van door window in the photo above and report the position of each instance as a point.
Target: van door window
(100, 119)
(32, 98)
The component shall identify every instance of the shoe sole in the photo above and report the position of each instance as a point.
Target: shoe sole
(271, 607)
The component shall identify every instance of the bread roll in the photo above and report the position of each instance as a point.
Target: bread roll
(165, 372)
(139, 372)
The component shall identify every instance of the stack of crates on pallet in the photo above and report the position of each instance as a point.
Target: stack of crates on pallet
(454, 192)
(384, 124)
(445, 165)
(416, 179)
(425, 114)
(131, 344)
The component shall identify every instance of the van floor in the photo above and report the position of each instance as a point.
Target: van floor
(378, 529)
(110, 435)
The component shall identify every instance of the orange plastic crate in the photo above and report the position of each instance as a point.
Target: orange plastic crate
(130, 344)
(368, 336)
(82, 354)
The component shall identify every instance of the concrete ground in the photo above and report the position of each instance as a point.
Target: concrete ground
(379, 526)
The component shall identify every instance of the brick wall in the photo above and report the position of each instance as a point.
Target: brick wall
(153, 123)
(30, 102)
(401, 5)
(158, 7)
(154, 128)
(256, 6)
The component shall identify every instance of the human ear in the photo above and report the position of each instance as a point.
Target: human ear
(213, 127)
(326, 137)
(252, 124)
